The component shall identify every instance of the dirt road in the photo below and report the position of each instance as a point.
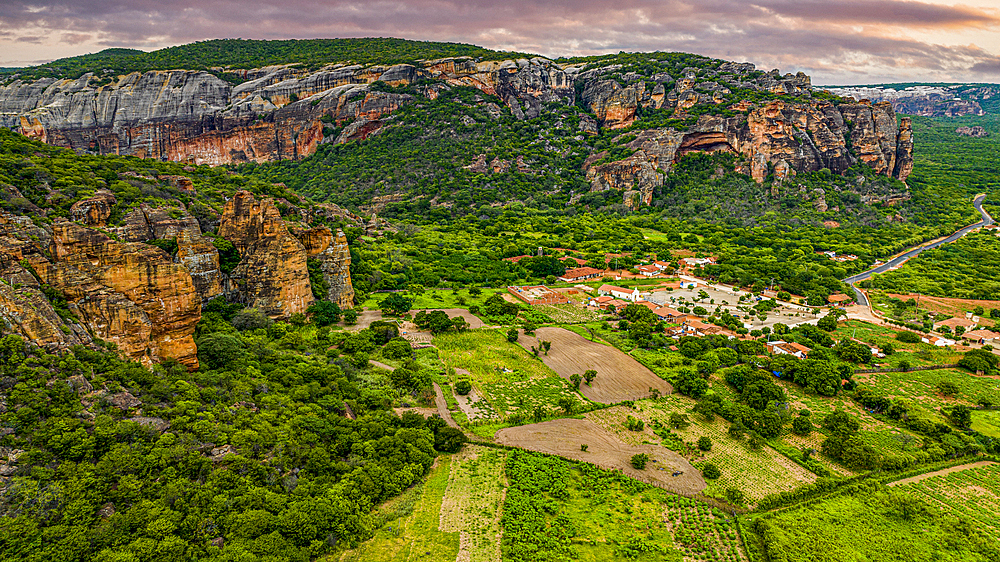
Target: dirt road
(941, 472)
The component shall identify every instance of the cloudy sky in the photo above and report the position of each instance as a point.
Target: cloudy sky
(835, 41)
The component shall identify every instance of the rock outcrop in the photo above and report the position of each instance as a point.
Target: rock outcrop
(335, 261)
(272, 274)
(94, 211)
(977, 131)
(128, 293)
(636, 177)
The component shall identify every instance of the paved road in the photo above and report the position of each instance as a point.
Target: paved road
(900, 259)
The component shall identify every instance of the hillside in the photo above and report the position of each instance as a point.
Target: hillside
(929, 99)
(573, 127)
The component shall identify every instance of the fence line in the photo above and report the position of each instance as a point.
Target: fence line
(901, 370)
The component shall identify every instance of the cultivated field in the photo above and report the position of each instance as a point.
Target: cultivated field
(757, 473)
(564, 437)
(703, 532)
(473, 503)
(619, 377)
(973, 493)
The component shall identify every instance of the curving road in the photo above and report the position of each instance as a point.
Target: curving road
(900, 259)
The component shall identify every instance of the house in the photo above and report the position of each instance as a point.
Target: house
(661, 265)
(648, 270)
(937, 341)
(693, 262)
(619, 292)
(516, 259)
(788, 348)
(966, 323)
(580, 274)
(982, 337)
(668, 314)
(652, 307)
(689, 284)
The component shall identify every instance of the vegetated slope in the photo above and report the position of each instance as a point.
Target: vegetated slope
(966, 269)
(256, 454)
(221, 55)
(615, 125)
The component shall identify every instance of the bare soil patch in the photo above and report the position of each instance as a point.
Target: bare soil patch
(619, 376)
(941, 472)
(564, 437)
(953, 307)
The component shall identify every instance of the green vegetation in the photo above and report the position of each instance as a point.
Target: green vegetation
(258, 447)
(870, 523)
(967, 269)
(232, 54)
(973, 493)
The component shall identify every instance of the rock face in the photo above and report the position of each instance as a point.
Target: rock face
(272, 274)
(977, 131)
(335, 262)
(182, 115)
(94, 211)
(636, 176)
(129, 293)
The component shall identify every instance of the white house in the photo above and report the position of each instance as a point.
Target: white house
(619, 292)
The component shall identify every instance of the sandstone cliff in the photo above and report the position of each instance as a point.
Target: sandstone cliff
(273, 273)
(129, 293)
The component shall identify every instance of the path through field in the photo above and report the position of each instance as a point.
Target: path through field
(941, 472)
(564, 437)
(442, 405)
(619, 376)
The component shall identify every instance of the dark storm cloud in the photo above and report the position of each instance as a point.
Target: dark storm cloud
(825, 37)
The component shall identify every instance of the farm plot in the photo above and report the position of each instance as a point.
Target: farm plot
(973, 493)
(507, 380)
(408, 525)
(868, 523)
(619, 377)
(472, 503)
(756, 473)
(920, 387)
(568, 313)
(703, 532)
(564, 437)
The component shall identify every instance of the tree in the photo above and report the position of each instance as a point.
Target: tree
(529, 328)
(567, 404)
(395, 304)
(850, 350)
(449, 439)
(324, 313)
(947, 388)
(589, 375)
(711, 471)
(961, 416)
(735, 496)
(463, 387)
(576, 379)
(802, 426)
(639, 461)
(828, 323)
(512, 335)
(705, 443)
(216, 351)
(398, 348)
(546, 345)
(679, 421)
(350, 317)
(251, 319)
(907, 337)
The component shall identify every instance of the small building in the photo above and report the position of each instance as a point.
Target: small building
(982, 337)
(689, 284)
(788, 348)
(661, 265)
(580, 274)
(952, 323)
(619, 292)
(936, 340)
(668, 314)
(648, 270)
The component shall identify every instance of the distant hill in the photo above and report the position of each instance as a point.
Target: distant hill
(929, 99)
(225, 54)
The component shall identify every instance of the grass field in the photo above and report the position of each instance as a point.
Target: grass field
(472, 503)
(568, 313)
(757, 473)
(408, 525)
(437, 298)
(872, 524)
(973, 493)
(987, 422)
(504, 374)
